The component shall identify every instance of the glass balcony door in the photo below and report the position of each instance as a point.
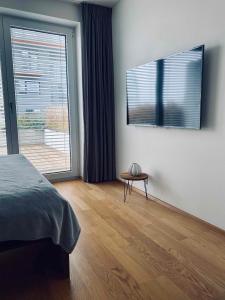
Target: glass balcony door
(40, 80)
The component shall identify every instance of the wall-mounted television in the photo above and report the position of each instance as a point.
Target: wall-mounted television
(167, 92)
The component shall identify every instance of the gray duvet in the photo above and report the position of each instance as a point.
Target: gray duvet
(31, 208)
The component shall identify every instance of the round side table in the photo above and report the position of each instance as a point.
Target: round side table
(128, 182)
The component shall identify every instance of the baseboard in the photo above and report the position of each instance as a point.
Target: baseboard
(178, 210)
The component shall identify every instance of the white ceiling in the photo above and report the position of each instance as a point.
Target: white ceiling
(109, 3)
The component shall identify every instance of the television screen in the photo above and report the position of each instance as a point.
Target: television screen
(167, 92)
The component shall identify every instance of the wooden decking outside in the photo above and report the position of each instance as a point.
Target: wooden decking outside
(45, 158)
(3, 151)
(137, 250)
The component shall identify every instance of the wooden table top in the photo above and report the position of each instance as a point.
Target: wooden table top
(127, 176)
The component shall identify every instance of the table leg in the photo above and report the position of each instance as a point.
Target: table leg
(131, 187)
(126, 188)
(146, 192)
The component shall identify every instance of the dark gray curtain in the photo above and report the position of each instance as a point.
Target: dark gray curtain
(99, 121)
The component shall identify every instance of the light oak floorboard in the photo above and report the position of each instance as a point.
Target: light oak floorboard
(137, 250)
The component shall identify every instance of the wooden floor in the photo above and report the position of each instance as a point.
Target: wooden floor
(137, 250)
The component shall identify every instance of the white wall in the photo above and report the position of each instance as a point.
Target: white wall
(51, 8)
(187, 166)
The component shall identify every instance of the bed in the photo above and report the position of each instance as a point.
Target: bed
(34, 216)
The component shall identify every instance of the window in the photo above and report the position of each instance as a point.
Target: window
(43, 107)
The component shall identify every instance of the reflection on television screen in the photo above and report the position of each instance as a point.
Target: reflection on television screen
(167, 92)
